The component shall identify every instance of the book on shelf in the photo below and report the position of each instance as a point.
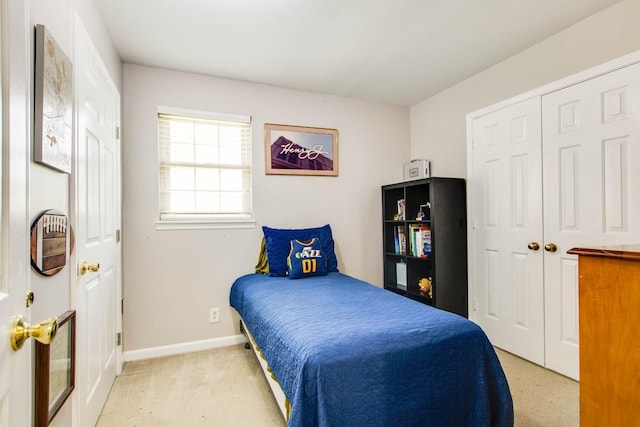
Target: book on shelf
(396, 240)
(413, 228)
(402, 234)
(400, 239)
(425, 241)
(420, 240)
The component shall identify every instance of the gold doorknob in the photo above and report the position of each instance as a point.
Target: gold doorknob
(534, 246)
(550, 247)
(84, 267)
(43, 332)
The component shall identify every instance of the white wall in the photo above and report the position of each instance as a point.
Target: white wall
(171, 278)
(438, 128)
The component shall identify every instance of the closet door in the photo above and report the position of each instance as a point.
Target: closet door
(591, 158)
(506, 217)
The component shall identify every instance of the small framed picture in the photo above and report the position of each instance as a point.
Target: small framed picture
(55, 370)
(401, 210)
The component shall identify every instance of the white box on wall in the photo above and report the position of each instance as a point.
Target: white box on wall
(417, 169)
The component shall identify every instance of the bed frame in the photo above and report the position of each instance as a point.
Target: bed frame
(283, 403)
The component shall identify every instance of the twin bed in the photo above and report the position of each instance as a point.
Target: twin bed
(341, 352)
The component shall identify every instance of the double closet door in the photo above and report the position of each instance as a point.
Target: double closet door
(547, 174)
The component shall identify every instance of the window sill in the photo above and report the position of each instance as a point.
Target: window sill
(205, 225)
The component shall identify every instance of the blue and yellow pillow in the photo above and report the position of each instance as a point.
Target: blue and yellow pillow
(306, 259)
(277, 245)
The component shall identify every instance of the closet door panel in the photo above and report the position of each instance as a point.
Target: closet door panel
(590, 139)
(506, 213)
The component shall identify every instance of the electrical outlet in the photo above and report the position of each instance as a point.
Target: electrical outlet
(214, 315)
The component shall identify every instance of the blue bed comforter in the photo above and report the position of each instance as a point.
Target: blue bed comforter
(347, 353)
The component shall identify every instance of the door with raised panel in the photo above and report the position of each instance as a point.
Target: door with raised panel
(506, 219)
(97, 195)
(591, 163)
(16, 397)
(16, 367)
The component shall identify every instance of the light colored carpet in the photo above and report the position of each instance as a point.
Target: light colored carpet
(219, 387)
(225, 387)
(540, 397)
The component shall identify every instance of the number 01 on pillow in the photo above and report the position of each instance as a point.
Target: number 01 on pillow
(306, 259)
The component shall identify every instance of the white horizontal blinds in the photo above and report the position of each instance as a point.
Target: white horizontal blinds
(205, 167)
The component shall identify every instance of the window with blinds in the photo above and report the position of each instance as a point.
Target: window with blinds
(205, 166)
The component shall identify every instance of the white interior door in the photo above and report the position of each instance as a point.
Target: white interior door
(591, 149)
(15, 366)
(506, 215)
(97, 199)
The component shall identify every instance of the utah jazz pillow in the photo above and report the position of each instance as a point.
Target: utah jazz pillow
(306, 259)
(277, 244)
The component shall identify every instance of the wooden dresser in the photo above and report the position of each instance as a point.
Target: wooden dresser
(609, 301)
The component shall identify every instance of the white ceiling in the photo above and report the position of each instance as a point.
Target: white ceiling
(393, 51)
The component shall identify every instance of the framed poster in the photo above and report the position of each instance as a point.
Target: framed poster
(55, 370)
(298, 150)
(53, 112)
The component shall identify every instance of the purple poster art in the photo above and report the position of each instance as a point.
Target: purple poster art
(297, 150)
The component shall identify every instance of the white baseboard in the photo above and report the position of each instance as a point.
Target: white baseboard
(187, 347)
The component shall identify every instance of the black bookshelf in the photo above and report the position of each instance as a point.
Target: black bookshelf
(443, 203)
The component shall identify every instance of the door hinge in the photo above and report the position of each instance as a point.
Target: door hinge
(119, 339)
(117, 235)
(117, 132)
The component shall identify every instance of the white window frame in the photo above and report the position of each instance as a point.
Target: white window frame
(178, 221)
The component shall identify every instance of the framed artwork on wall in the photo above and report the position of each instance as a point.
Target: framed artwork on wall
(52, 241)
(53, 109)
(55, 370)
(298, 150)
